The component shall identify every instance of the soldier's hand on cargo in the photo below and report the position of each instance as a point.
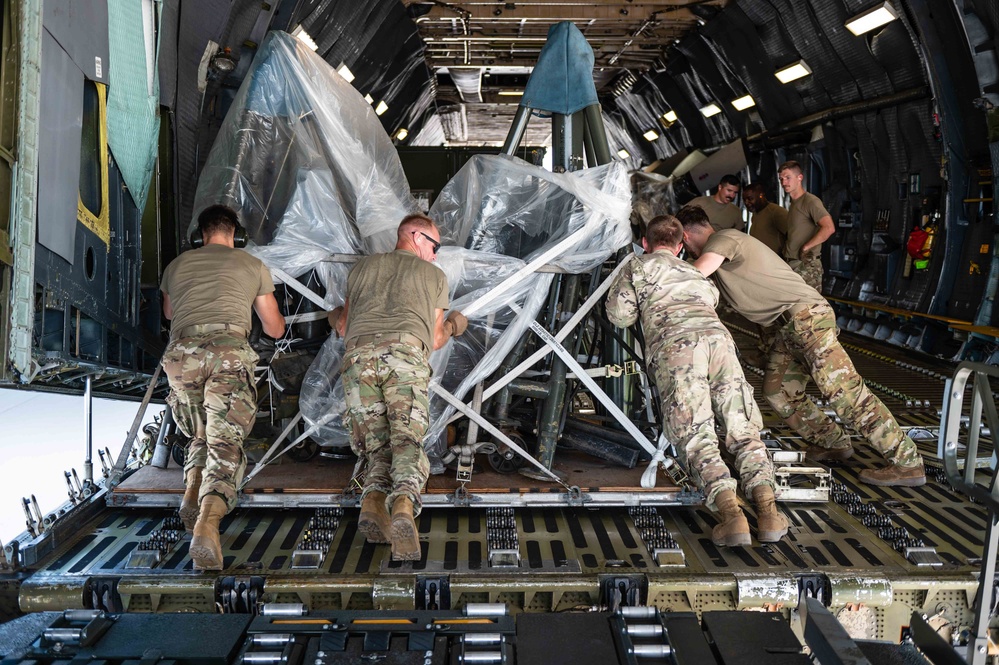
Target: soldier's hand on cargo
(334, 318)
(456, 323)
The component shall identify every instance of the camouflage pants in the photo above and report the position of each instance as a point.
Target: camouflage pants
(214, 401)
(810, 271)
(699, 379)
(388, 413)
(807, 348)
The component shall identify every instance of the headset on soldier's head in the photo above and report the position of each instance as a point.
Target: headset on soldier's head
(239, 237)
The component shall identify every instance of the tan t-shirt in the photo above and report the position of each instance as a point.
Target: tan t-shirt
(754, 280)
(769, 226)
(721, 215)
(215, 284)
(802, 220)
(395, 292)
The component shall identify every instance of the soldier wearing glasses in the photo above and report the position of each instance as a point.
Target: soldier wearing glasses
(393, 318)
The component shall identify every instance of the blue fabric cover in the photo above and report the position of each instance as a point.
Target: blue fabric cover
(562, 81)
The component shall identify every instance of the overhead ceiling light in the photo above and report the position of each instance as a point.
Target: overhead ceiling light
(511, 93)
(875, 17)
(793, 72)
(345, 72)
(623, 154)
(402, 134)
(743, 103)
(369, 99)
(669, 116)
(710, 110)
(651, 135)
(381, 108)
(305, 38)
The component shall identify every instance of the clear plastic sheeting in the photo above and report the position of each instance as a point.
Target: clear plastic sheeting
(305, 161)
(653, 196)
(497, 216)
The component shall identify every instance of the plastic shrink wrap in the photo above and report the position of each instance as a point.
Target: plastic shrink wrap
(304, 160)
(310, 169)
(496, 216)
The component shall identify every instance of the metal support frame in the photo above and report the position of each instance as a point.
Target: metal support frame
(25, 185)
(947, 447)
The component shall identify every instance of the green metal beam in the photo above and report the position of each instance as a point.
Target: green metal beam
(24, 196)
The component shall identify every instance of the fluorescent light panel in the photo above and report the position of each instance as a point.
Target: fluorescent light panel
(402, 134)
(710, 110)
(305, 38)
(669, 116)
(623, 154)
(793, 72)
(511, 93)
(651, 135)
(381, 108)
(369, 99)
(345, 72)
(875, 17)
(743, 103)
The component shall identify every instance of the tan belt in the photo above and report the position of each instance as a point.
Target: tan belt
(785, 317)
(205, 328)
(405, 338)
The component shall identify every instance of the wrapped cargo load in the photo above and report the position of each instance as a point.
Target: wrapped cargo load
(312, 172)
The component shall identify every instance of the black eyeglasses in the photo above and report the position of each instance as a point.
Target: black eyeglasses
(433, 242)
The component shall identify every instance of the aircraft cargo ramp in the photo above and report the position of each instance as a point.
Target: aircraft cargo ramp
(871, 555)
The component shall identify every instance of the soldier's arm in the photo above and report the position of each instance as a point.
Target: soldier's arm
(266, 308)
(708, 263)
(440, 335)
(167, 307)
(825, 229)
(622, 300)
(341, 324)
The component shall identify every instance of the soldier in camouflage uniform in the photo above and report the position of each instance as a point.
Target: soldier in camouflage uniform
(693, 360)
(809, 225)
(209, 294)
(765, 290)
(392, 318)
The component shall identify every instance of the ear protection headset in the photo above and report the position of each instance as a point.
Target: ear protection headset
(239, 237)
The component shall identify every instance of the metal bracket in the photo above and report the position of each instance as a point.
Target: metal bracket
(433, 593)
(621, 591)
(101, 593)
(461, 497)
(575, 496)
(10, 556)
(239, 595)
(814, 585)
(631, 367)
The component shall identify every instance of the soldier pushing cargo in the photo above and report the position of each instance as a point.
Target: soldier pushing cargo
(765, 290)
(392, 319)
(209, 294)
(693, 360)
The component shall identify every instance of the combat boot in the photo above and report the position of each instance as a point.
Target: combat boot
(733, 528)
(189, 507)
(374, 521)
(894, 475)
(820, 454)
(206, 549)
(405, 539)
(771, 526)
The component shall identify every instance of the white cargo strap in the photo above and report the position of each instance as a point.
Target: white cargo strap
(269, 456)
(602, 397)
(283, 277)
(649, 475)
(563, 332)
(489, 427)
